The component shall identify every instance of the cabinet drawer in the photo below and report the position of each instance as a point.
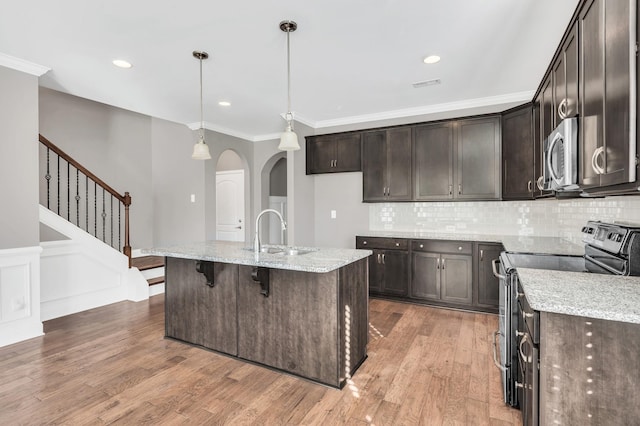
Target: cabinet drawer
(382, 243)
(441, 246)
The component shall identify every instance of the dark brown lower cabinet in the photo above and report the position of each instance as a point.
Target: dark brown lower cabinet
(439, 272)
(441, 277)
(487, 285)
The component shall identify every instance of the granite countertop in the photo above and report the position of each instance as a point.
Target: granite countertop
(608, 297)
(512, 243)
(317, 260)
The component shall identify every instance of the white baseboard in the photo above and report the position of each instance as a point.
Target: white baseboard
(19, 295)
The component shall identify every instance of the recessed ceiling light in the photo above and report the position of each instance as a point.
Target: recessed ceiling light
(432, 59)
(224, 103)
(121, 63)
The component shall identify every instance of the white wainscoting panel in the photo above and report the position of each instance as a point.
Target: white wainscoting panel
(19, 294)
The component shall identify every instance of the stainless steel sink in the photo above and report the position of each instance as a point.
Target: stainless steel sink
(283, 251)
(268, 250)
(295, 252)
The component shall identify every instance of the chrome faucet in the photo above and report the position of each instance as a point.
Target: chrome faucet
(256, 240)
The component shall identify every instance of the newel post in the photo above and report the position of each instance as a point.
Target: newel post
(127, 246)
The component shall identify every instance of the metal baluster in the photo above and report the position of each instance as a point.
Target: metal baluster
(119, 226)
(111, 217)
(95, 209)
(48, 178)
(58, 194)
(77, 198)
(104, 215)
(86, 202)
(68, 192)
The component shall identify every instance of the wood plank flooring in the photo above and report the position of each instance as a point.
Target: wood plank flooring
(109, 365)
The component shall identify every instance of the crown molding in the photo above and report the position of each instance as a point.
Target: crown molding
(426, 110)
(387, 115)
(22, 65)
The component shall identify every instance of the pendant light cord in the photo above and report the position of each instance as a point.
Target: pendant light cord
(201, 114)
(288, 76)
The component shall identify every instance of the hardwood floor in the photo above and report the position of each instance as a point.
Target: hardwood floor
(112, 365)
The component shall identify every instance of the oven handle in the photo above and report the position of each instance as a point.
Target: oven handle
(602, 265)
(495, 353)
(495, 270)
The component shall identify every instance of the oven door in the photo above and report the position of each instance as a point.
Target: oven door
(560, 157)
(503, 341)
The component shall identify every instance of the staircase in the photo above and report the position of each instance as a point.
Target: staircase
(82, 265)
(152, 269)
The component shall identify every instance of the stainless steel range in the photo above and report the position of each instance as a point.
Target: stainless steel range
(610, 248)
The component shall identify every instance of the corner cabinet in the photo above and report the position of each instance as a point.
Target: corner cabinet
(386, 165)
(518, 154)
(487, 286)
(334, 153)
(388, 266)
(457, 160)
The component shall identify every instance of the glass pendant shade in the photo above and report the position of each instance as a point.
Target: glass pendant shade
(201, 150)
(289, 140)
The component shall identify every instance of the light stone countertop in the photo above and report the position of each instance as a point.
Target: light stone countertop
(318, 260)
(608, 297)
(512, 243)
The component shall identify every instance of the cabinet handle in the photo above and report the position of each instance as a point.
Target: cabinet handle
(450, 189)
(378, 258)
(527, 359)
(562, 109)
(443, 264)
(540, 183)
(421, 245)
(438, 263)
(397, 244)
(519, 385)
(364, 243)
(481, 253)
(459, 189)
(598, 153)
(383, 258)
(526, 315)
(530, 186)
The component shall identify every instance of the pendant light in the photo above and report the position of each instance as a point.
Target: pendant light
(200, 149)
(288, 140)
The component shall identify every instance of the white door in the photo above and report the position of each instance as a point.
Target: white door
(230, 205)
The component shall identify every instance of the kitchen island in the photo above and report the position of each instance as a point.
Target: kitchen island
(302, 311)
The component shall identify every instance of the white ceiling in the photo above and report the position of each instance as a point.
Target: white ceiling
(351, 61)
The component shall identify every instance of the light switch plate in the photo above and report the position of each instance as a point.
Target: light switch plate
(193, 198)
(333, 214)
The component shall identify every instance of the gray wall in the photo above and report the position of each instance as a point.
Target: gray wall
(19, 222)
(112, 143)
(175, 176)
(341, 192)
(302, 204)
(278, 179)
(229, 160)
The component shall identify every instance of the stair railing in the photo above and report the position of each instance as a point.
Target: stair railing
(84, 202)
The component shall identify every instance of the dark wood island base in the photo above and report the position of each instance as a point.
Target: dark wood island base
(312, 325)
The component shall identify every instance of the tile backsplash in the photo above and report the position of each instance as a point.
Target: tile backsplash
(549, 217)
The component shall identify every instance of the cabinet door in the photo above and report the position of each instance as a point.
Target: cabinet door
(478, 159)
(374, 166)
(399, 164)
(375, 273)
(396, 272)
(456, 280)
(543, 116)
(348, 153)
(518, 165)
(433, 161)
(321, 152)
(425, 276)
(570, 51)
(488, 285)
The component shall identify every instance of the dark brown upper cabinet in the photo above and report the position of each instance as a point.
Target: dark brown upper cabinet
(608, 94)
(518, 154)
(334, 153)
(457, 160)
(386, 165)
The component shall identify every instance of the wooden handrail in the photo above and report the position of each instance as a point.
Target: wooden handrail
(124, 199)
(46, 142)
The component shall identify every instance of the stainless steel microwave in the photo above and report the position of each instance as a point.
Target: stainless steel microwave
(560, 157)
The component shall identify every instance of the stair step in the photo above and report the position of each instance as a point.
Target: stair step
(147, 262)
(154, 281)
